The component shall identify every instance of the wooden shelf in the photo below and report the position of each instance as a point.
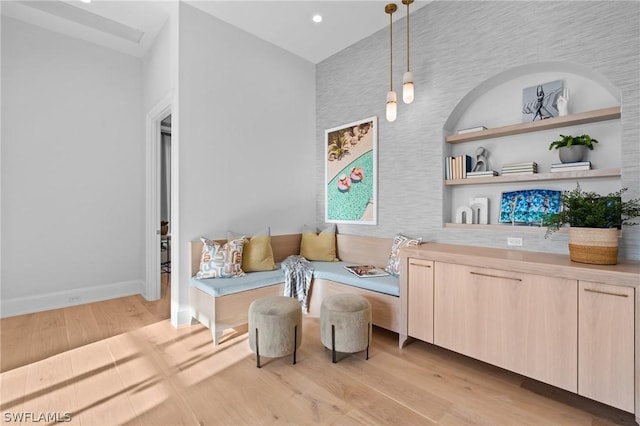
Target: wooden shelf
(604, 114)
(538, 177)
(503, 227)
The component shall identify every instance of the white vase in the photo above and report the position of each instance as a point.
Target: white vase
(572, 154)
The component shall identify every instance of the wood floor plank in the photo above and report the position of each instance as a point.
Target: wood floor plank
(49, 388)
(101, 394)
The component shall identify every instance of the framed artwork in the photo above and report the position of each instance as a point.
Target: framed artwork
(350, 170)
(528, 206)
(541, 101)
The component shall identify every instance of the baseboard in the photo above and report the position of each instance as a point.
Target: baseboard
(63, 299)
(181, 318)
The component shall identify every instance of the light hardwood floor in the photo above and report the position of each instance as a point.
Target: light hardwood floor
(121, 362)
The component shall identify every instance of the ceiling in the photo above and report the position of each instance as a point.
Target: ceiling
(130, 26)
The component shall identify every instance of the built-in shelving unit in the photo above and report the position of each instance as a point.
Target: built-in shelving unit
(535, 126)
(537, 177)
(604, 114)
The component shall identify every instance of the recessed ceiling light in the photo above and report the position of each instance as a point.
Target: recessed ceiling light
(317, 18)
(85, 1)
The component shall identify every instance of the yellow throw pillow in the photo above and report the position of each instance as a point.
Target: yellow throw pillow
(320, 246)
(258, 253)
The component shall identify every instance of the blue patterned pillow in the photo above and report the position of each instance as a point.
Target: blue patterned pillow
(221, 261)
(398, 242)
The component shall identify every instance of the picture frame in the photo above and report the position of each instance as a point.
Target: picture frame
(540, 102)
(350, 173)
(529, 206)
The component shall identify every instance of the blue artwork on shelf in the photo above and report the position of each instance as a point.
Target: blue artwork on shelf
(528, 206)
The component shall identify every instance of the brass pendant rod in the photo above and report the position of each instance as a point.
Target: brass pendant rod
(407, 2)
(390, 9)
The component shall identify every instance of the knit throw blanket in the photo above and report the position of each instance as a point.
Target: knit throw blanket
(298, 272)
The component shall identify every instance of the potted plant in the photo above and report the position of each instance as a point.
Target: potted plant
(572, 148)
(594, 221)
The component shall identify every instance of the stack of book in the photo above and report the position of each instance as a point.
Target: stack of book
(457, 167)
(482, 174)
(526, 168)
(571, 167)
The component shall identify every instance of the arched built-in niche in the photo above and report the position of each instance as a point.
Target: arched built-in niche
(497, 102)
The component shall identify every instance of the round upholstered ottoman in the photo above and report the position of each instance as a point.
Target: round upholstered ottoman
(345, 324)
(275, 327)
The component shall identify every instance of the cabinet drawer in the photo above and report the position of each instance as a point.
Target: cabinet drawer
(420, 299)
(605, 348)
(522, 322)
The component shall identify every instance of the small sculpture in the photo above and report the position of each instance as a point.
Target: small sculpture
(464, 215)
(563, 103)
(481, 160)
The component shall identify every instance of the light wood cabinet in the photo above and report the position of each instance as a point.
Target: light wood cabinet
(522, 322)
(606, 340)
(572, 325)
(420, 299)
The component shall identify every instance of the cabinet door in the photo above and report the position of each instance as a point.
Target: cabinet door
(420, 299)
(605, 354)
(522, 322)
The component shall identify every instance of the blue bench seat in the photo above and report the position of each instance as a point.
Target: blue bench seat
(331, 271)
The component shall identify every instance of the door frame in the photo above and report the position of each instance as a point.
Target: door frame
(152, 191)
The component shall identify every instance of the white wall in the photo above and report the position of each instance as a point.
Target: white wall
(72, 180)
(160, 65)
(247, 148)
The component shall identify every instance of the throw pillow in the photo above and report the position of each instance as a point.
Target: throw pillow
(221, 261)
(319, 246)
(398, 242)
(257, 254)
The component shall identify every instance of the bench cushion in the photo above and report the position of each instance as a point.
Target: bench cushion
(331, 271)
(222, 286)
(335, 271)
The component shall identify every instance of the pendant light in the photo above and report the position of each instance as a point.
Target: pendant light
(392, 98)
(407, 78)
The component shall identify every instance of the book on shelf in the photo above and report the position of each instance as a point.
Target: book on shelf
(520, 172)
(366, 271)
(482, 174)
(571, 167)
(523, 164)
(471, 130)
(457, 167)
(574, 164)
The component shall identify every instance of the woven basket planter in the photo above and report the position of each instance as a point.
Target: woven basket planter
(597, 246)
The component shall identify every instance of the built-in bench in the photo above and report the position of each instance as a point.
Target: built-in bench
(222, 303)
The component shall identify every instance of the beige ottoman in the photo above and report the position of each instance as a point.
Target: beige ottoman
(345, 324)
(275, 327)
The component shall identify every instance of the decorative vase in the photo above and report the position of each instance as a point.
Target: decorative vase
(598, 246)
(572, 154)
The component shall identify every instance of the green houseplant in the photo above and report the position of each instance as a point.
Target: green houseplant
(572, 148)
(594, 221)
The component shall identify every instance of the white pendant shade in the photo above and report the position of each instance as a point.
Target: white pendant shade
(392, 106)
(407, 87)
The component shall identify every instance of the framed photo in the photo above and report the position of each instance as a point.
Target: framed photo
(351, 168)
(541, 101)
(528, 206)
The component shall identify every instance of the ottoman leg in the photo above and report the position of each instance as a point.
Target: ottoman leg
(368, 339)
(333, 343)
(257, 350)
(295, 343)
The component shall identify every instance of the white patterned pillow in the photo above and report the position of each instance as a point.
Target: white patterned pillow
(398, 242)
(221, 261)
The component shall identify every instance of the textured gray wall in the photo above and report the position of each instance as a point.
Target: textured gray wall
(456, 46)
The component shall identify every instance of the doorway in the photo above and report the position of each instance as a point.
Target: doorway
(165, 196)
(158, 175)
